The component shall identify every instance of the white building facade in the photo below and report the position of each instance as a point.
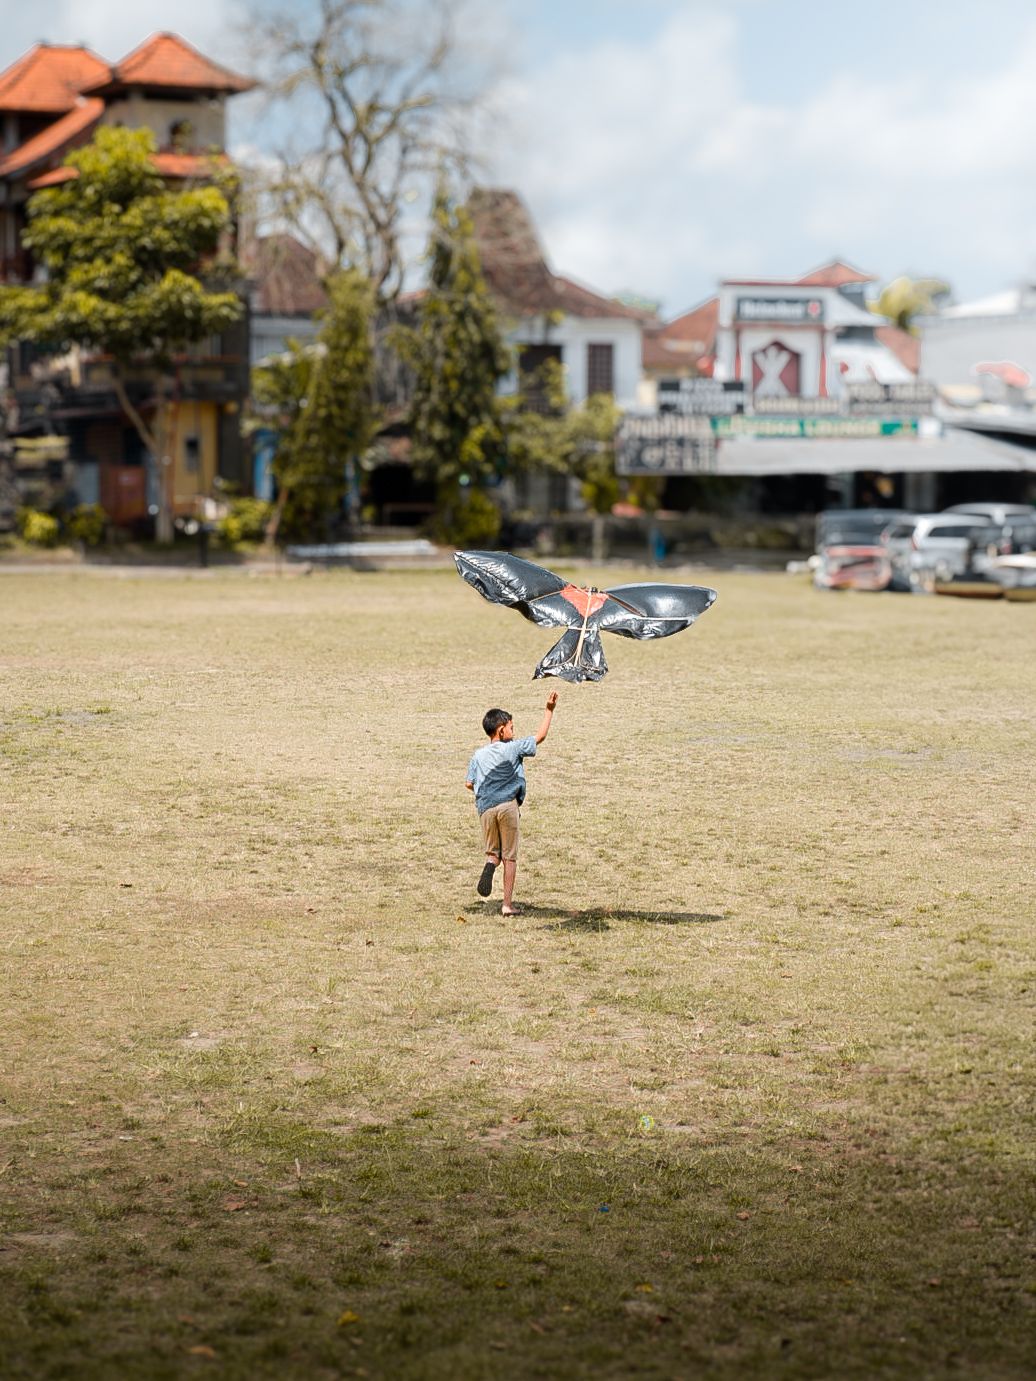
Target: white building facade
(597, 354)
(784, 339)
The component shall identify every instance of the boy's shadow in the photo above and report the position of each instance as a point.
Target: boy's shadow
(597, 918)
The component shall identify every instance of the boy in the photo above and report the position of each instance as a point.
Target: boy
(497, 777)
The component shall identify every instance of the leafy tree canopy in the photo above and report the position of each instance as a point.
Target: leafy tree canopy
(121, 252)
(904, 298)
(459, 356)
(576, 441)
(321, 397)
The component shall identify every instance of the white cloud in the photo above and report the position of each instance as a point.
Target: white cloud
(654, 163)
(653, 166)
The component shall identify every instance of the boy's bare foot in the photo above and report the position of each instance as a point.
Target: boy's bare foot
(485, 883)
(510, 911)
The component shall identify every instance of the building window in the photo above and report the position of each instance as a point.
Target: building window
(600, 369)
(538, 369)
(181, 135)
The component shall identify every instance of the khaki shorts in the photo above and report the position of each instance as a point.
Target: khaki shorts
(500, 830)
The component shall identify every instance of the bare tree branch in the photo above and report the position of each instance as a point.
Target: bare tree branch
(377, 90)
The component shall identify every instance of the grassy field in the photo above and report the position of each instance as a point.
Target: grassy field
(746, 1093)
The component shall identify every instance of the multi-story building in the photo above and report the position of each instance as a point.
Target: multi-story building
(796, 388)
(596, 340)
(52, 100)
(818, 326)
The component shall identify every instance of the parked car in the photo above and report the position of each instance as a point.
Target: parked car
(996, 512)
(1018, 521)
(1016, 575)
(850, 548)
(936, 547)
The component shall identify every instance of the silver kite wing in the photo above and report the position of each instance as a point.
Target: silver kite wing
(633, 611)
(654, 610)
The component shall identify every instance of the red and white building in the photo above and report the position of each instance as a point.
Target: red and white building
(801, 337)
(796, 384)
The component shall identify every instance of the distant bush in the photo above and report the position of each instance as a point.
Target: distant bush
(246, 522)
(473, 522)
(87, 524)
(38, 528)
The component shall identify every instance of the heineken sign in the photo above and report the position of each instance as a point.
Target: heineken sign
(780, 310)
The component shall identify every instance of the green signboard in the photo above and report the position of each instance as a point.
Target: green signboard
(829, 428)
(681, 444)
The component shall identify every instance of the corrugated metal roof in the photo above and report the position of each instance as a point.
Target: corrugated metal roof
(955, 450)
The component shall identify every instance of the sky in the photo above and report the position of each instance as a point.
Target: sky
(663, 145)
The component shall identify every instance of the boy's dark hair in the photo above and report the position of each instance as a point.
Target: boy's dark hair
(494, 719)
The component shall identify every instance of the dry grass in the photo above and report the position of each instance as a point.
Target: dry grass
(746, 1093)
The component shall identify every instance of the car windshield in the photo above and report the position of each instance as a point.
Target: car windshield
(958, 529)
(851, 537)
(853, 527)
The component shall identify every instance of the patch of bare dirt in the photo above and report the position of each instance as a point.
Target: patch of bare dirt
(46, 1240)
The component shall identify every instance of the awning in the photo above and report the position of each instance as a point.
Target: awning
(954, 450)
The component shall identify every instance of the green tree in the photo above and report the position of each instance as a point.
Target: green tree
(459, 356)
(578, 442)
(121, 254)
(904, 298)
(322, 398)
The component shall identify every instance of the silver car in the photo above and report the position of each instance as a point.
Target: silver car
(1017, 523)
(937, 547)
(999, 513)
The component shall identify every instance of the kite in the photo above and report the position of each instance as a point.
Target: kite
(632, 611)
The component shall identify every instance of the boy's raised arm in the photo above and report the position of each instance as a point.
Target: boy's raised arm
(542, 731)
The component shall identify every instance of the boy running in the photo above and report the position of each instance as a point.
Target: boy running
(497, 777)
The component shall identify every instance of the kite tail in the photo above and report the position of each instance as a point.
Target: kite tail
(576, 656)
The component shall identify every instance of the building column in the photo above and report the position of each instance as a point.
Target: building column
(822, 368)
(919, 491)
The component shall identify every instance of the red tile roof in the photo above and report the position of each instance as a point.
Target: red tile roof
(681, 342)
(187, 165)
(835, 275)
(286, 276)
(56, 138)
(46, 80)
(52, 179)
(904, 346)
(516, 271)
(166, 60)
(170, 165)
(576, 300)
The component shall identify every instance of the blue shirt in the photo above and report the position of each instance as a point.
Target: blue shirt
(497, 772)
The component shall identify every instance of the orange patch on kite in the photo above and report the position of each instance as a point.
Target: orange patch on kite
(587, 602)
